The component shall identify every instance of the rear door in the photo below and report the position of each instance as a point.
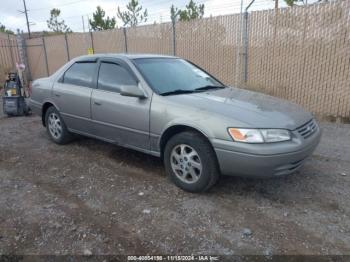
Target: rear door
(123, 120)
(72, 95)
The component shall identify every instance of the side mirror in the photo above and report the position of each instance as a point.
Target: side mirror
(132, 90)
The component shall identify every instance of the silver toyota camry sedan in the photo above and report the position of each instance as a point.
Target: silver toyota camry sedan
(168, 107)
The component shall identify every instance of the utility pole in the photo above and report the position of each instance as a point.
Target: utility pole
(276, 5)
(26, 13)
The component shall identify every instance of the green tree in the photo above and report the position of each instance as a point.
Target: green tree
(56, 25)
(3, 29)
(303, 2)
(292, 2)
(191, 11)
(98, 22)
(133, 15)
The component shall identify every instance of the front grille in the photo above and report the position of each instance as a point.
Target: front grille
(307, 129)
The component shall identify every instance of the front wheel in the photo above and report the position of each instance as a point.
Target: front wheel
(56, 128)
(191, 162)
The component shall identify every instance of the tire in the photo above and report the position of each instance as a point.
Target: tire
(56, 129)
(197, 155)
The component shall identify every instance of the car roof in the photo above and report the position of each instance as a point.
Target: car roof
(122, 56)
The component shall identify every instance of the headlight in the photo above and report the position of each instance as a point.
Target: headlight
(259, 135)
(275, 135)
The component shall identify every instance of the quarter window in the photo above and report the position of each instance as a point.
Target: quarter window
(80, 74)
(112, 76)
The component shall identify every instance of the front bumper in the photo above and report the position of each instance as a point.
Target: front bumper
(238, 163)
(35, 107)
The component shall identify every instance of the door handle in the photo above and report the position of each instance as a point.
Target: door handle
(97, 103)
(58, 95)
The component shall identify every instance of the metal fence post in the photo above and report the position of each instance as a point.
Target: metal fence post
(45, 55)
(245, 52)
(245, 39)
(92, 42)
(23, 51)
(125, 40)
(26, 60)
(2, 56)
(67, 47)
(239, 46)
(174, 36)
(11, 50)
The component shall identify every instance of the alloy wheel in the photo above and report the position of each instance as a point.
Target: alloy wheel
(186, 163)
(55, 126)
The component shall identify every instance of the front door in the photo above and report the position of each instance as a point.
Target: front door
(121, 119)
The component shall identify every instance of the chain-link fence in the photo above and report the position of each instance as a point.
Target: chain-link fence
(301, 54)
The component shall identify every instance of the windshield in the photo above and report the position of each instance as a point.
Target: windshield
(173, 75)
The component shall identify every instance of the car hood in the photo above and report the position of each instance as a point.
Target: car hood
(251, 109)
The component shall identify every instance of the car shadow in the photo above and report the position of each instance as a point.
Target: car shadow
(269, 188)
(279, 190)
(123, 156)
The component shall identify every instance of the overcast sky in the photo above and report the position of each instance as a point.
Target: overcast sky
(72, 11)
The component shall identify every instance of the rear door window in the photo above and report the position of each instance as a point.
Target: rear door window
(112, 76)
(80, 74)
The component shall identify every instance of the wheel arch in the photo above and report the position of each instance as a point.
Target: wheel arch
(44, 108)
(176, 129)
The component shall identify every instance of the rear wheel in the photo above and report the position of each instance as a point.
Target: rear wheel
(191, 162)
(56, 127)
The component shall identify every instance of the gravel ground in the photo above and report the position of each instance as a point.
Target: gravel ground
(92, 197)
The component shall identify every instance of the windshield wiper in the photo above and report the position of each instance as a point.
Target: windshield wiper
(207, 87)
(184, 91)
(177, 92)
